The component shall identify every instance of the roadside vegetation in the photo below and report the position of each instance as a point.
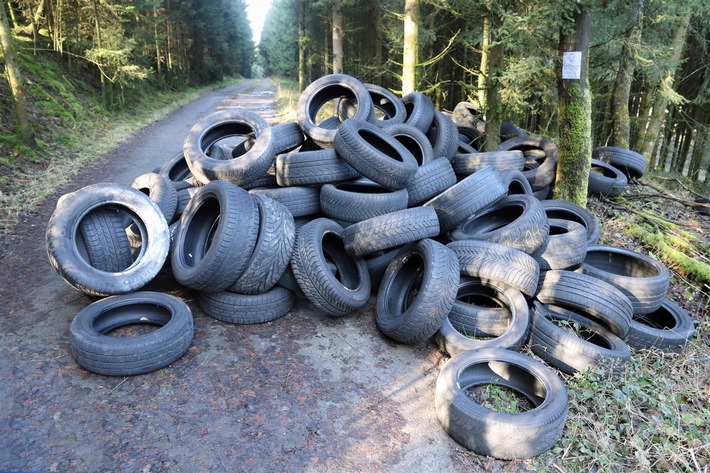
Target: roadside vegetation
(72, 128)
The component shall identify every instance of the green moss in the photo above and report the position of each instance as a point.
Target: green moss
(675, 258)
(574, 145)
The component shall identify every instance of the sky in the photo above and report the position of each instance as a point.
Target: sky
(256, 11)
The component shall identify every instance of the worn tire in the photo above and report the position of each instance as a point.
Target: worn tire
(468, 196)
(299, 200)
(420, 110)
(318, 243)
(414, 140)
(273, 249)
(544, 174)
(444, 136)
(587, 295)
(492, 262)
(417, 291)
(216, 237)
(105, 241)
(64, 248)
(227, 124)
(454, 337)
(176, 169)
(359, 200)
(668, 329)
(95, 350)
(390, 230)
(493, 433)
(565, 210)
(466, 164)
(312, 168)
(565, 247)
(606, 180)
(431, 179)
(644, 280)
(322, 91)
(517, 221)
(375, 154)
(237, 308)
(631, 163)
(566, 350)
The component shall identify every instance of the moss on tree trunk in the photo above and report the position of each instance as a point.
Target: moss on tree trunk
(575, 143)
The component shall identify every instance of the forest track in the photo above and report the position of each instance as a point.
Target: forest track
(306, 392)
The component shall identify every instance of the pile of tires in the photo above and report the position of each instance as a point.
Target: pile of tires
(383, 196)
(613, 168)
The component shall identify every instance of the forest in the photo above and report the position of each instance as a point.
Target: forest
(648, 60)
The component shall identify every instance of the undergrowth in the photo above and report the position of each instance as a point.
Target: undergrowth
(72, 129)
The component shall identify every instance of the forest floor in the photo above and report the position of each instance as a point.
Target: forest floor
(306, 392)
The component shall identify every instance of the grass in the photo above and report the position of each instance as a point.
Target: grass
(73, 130)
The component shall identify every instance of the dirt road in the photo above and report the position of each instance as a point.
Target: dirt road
(306, 392)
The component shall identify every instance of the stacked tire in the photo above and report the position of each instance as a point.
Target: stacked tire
(372, 194)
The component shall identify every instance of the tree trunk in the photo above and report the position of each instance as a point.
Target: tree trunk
(14, 78)
(337, 37)
(302, 44)
(410, 56)
(622, 85)
(483, 71)
(13, 16)
(574, 111)
(642, 118)
(700, 153)
(661, 102)
(493, 110)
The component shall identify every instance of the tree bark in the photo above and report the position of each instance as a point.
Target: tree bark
(411, 46)
(574, 112)
(14, 78)
(483, 71)
(493, 106)
(337, 37)
(661, 102)
(302, 44)
(622, 84)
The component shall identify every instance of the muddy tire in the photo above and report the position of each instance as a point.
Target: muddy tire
(236, 308)
(216, 237)
(95, 350)
(319, 243)
(417, 291)
(64, 248)
(499, 434)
